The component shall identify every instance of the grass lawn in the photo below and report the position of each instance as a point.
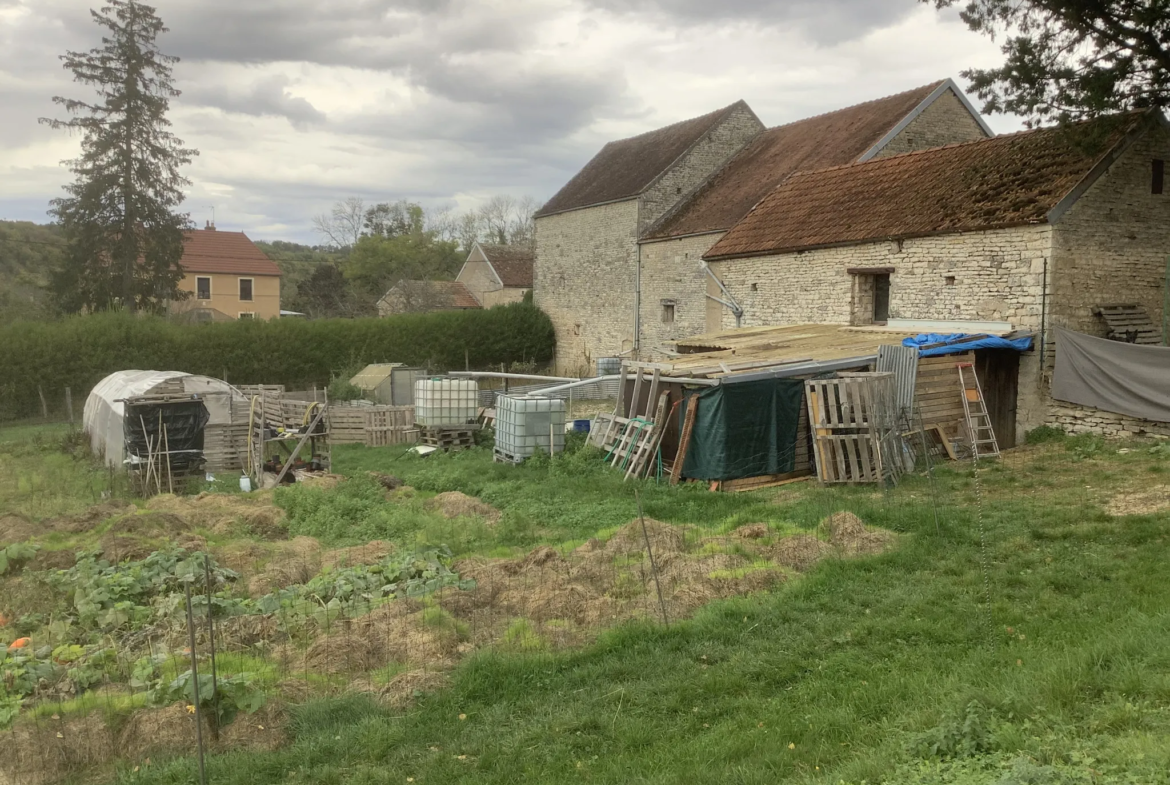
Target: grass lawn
(1019, 634)
(889, 669)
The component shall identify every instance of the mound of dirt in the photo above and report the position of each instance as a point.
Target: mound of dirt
(370, 553)
(851, 537)
(402, 631)
(387, 481)
(226, 513)
(752, 531)
(17, 528)
(663, 537)
(1145, 502)
(454, 504)
(800, 552)
(91, 518)
(50, 751)
(171, 730)
(290, 563)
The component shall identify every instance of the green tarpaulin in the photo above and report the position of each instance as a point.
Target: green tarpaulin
(744, 430)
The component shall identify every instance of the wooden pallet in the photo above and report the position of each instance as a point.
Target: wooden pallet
(853, 419)
(1129, 323)
(447, 438)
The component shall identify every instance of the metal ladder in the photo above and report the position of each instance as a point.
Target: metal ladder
(983, 443)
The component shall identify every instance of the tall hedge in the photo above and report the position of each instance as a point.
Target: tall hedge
(79, 351)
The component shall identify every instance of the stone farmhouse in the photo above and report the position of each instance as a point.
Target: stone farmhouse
(1040, 229)
(420, 296)
(619, 248)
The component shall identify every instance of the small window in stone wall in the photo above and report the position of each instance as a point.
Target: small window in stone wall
(668, 311)
(950, 280)
(1158, 175)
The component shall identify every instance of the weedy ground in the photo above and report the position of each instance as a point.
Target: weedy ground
(1018, 632)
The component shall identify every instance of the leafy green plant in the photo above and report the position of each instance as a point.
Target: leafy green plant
(961, 736)
(15, 555)
(340, 389)
(1044, 434)
(229, 696)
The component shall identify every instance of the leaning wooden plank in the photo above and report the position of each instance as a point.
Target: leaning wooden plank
(312, 427)
(760, 483)
(684, 443)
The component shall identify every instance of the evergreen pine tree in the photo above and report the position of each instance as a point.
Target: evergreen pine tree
(125, 236)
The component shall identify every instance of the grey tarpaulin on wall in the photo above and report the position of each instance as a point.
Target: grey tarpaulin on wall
(1125, 378)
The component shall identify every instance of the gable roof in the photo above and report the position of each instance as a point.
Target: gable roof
(834, 139)
(213, 251)
(512, 263)
(1010, 180)
(626, 167)
(445, 294)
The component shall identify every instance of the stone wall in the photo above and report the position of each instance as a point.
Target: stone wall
(503, 296)
(697, 165)
(671, 270)
(1084, 419)
(945, 121)
(479, 279)
(992, 276)
(987, 276)
(1111, 246)
(584, 280)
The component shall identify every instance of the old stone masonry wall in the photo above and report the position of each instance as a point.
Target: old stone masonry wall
(584, 280)
(992, 275)
(945, 121)
(672, 274)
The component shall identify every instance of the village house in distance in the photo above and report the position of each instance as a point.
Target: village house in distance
(228, 277)
(492, 275)
(901, 210)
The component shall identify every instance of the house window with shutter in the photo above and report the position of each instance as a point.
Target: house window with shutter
(246, 290)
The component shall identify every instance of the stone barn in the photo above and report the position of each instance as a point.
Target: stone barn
(1042, 229)
(619, 248)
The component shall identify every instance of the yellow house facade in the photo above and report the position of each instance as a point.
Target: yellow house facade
(228, 278)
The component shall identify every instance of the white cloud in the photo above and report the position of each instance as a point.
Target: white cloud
(296, 103)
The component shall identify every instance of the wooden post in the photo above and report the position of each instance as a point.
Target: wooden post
(69, 404)
(44, 405)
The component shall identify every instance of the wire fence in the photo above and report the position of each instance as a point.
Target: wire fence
(212, 660)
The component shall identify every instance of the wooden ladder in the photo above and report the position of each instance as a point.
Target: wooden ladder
(983, 443)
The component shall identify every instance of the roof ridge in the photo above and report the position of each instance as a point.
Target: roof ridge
(713, 115)
(934, 150)
(929, 88)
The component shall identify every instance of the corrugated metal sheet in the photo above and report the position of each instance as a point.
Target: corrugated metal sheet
(902, 361)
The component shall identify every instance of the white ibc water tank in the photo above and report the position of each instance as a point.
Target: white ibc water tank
(527, 423)
(445, 402)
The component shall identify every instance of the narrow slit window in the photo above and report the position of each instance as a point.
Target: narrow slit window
(1159, 171)
(668, 313)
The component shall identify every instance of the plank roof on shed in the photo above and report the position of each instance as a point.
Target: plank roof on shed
(1004, 181)
(626, 167)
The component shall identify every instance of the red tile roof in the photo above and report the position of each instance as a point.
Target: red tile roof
(993, 183)
(512, 263)
(213, 251)
(626, 167)
(819, 142)
(444, 294)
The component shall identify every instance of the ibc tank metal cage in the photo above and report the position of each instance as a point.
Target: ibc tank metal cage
(446, 403)
(526, 424)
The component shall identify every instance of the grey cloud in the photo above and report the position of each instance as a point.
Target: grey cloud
(827, 21)
(267, 97)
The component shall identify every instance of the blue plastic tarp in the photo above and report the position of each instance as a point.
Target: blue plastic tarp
(961, 342)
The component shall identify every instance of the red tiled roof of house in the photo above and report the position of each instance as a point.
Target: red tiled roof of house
(444, 294)
(832, 139)
(512, 263)
(626, 167)
(213, 251)
(994, 183)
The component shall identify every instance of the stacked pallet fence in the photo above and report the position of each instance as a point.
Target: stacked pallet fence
(936, 392)
(854, 422)
(373, 426)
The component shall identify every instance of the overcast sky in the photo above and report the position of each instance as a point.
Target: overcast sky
(294, 104)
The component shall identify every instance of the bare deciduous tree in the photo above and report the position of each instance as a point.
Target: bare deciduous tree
(342, 226)
(496, 218)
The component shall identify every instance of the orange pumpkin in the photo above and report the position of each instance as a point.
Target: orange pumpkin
(20, 643)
